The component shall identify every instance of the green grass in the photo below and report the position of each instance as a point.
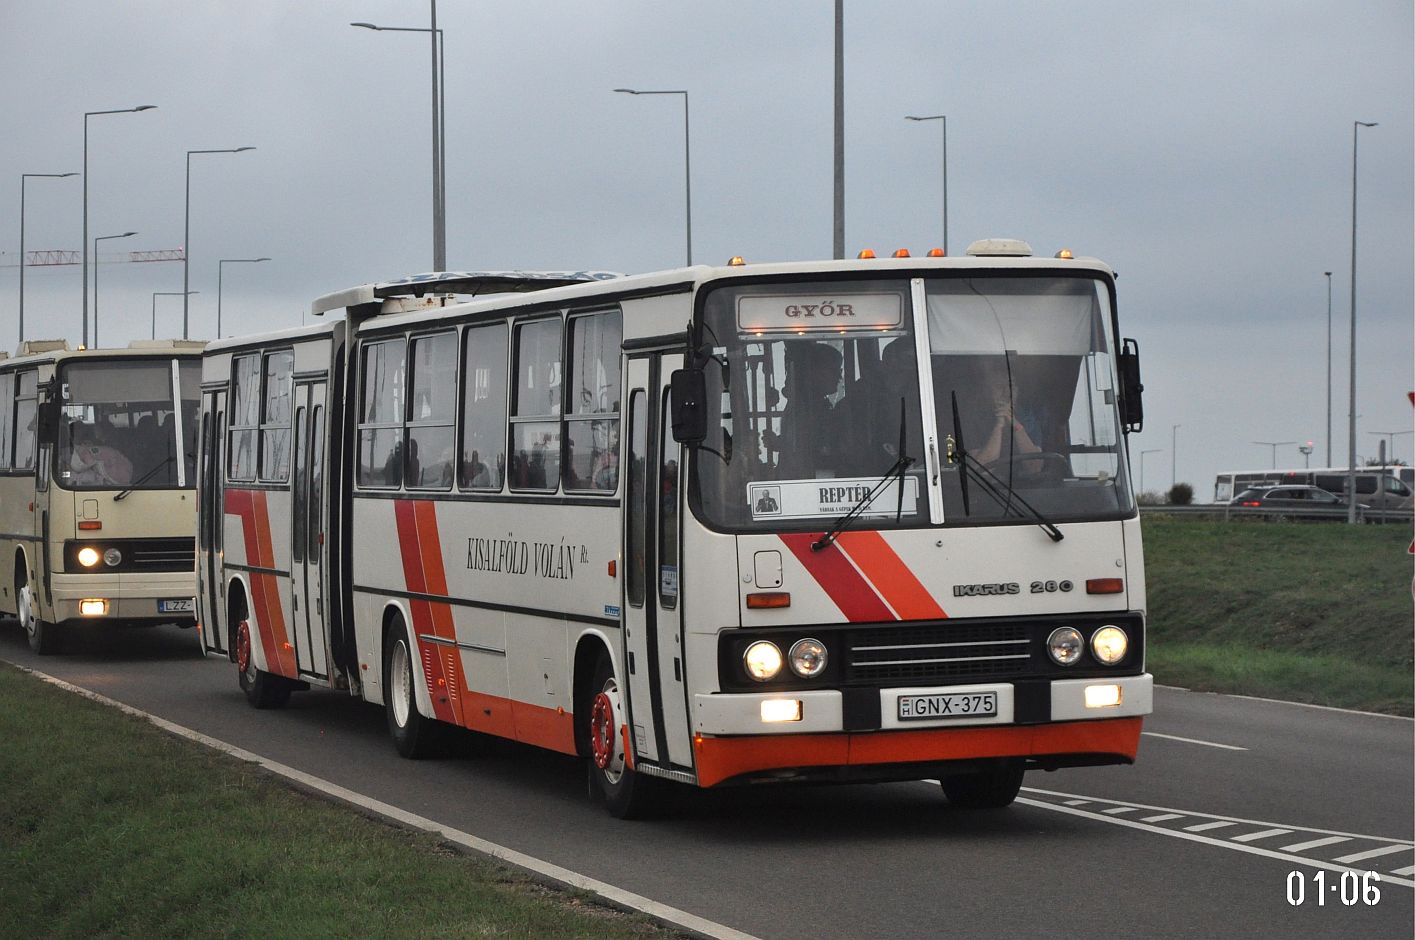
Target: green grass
(1317, 613)
(111, 827)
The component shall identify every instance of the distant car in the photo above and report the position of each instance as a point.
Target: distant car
(1305, 502)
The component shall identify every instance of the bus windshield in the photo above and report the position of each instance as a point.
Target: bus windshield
(121, 421)
(819, 390)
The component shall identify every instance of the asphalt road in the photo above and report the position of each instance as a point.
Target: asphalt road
(1197, 839)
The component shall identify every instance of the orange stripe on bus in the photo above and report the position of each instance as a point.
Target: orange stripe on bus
(889, 575)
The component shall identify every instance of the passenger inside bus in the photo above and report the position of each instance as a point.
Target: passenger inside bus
(810, 426)
(95, 460)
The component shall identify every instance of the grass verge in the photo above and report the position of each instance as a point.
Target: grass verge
(111, 827)
(1318, 613)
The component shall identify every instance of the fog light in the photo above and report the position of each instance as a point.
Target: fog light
(779, 709)
(763, 660)
(1109, 644)
(1102, 696)
(88, 556)
(1065, 645)
(112, 558)
(808, 658)
(93, 607)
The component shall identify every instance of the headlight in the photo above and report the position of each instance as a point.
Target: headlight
(1065, 645)
(88, 556)
(808, 658)
(1109, 645)
(112, 557)
(763, 660)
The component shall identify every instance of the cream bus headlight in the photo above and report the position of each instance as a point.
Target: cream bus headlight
(1065, 645)
(112, 558)
(808, 658)
(763, 660)
(1109, 645)
(88, 556)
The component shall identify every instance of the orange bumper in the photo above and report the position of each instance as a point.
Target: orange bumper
(720, 759)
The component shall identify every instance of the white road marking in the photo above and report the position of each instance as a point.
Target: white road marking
(1374, 853)
(1162, 817)
(1077, 802)
(1117, 810)
(615, 897)
(1265, 834)
(1407, 870)
(1205, 827)
(1314, 844)
(1175, 737)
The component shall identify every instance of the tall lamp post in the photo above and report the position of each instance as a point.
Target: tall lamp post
(1173, 453)
(1388, 455)
(439, 132)
(943, 119)
(1351, 462)
(23, 177)
(164, 293)
(220, 270)
(187, 235)
(96, 240)
(87, 115)
(1274, 445)
(1328, 274)
(1155, 450)
(1306, 451)
(687, 162)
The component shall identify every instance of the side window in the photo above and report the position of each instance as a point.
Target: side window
(484, 409)
(26, 416)
(297, 528)
(316, 482)
(275, 417)
(592, 421)
(381, 414)
(535, 415)
(431, 431)
(245, 417)
(636, 549)
(7, 410)
(668, 450)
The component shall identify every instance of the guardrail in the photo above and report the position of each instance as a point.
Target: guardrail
(1268, 514)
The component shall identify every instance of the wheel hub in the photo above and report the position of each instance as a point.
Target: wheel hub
(602, 730)
(243, 646)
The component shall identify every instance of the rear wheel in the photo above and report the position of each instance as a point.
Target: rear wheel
(44, 638)
(627, 795)
(993, 788)
(263, 690)
(414, 734)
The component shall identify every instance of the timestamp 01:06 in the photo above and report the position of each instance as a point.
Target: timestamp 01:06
(1351, 887)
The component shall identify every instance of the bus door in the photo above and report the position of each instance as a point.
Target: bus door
(211, 588)
(653, 634)
(307, 531)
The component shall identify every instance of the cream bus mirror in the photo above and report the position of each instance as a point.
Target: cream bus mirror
(49, 411)
(688, 400)
(1132, 408)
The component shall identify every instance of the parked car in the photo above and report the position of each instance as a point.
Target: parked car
(1303, 502)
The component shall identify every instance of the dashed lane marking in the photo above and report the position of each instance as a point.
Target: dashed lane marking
(1264, 834)
(1205, 827)
(1314, 844)
(1163, 817)
(1373, 853)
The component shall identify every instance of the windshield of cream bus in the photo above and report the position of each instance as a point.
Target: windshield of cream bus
(120, 422)
(814, 392)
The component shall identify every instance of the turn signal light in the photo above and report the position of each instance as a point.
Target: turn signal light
(901, 252)
(937, 253)
(90, 525)
(768, 599)
(866, 253)
(1105, 585)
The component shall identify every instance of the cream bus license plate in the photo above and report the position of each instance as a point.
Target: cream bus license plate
(179, 605)
(948, 705)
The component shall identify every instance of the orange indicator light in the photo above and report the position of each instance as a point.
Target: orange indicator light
(768, 599)
(1105, 585)
(866, 253)
(90, 525)
(901, 252)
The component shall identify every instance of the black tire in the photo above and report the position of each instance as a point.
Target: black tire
(627, 795)
(414, 734)
(993, 788)
(263, 690)
(44, 638)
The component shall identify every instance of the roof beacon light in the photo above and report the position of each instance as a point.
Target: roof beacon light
(1000, 248)
(736, 261)
(901, 252)
(937, 253)
(1065, 254)
(866, 253)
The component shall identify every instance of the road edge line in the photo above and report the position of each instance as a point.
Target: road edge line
(1281, 701)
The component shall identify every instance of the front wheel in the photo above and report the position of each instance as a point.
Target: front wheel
(263, 690)
(993, 788)
(414, 734)
(44, 638)
(627, 795)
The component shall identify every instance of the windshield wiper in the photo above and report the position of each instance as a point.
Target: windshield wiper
(991, 484)
(901, 464)
(144, 478)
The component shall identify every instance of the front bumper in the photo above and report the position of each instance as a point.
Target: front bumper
(130, 597)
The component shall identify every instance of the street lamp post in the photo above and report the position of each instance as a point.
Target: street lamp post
(187, 235)
(1173, 453)
(164, 293)
(84, 243)
(1155, 450)
(220, 270)
(1306, 451)
(1351, 462)
(942, 118)
(96, 240)
(1328, 274)
(687, 161)
(23, 177)
(1388, 455)
(439, 132)
(1274, 445)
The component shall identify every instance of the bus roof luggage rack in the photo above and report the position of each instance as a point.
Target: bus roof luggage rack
(167, 344)
(456, 282)
(32, 347)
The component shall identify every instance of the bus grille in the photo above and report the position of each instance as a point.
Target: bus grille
(162, 555)
(934, 653)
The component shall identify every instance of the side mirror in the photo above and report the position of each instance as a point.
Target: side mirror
(1132, 408)
(49, 412)
(688, 403)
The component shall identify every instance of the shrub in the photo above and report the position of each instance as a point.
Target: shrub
(1181, 494)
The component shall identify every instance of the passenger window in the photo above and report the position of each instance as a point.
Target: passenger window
(484, 415)
(7, 407)
(592, 425)
(245, 418)
(535, 420)
(431, 430)
(275, 417)
(23, 429)
(381, 417)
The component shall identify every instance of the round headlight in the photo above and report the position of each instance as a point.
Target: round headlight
(1109, 645)
(763, 660)
(112, 557)
(88, 556)
(808, 658)
(1065, 645)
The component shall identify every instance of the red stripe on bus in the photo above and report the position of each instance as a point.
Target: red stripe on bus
(890, 575)
(856, 599)
(251, 508)
(720, 759)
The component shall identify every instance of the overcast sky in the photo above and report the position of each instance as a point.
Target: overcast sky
(1203, 149)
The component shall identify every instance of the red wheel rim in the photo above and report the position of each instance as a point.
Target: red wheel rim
(602, 731)
(243, 646)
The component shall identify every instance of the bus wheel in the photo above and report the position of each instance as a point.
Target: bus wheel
(628, 795)
(985, 789)
(44, 638)
(262, 689)
(415, 735)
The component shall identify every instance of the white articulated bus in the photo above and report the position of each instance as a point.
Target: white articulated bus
(97, 481)
(842, 520)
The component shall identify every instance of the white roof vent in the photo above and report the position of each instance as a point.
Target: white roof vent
(999, 248)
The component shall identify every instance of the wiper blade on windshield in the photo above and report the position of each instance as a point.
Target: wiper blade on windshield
(991, 484)
(901, 464)
(144, 478)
